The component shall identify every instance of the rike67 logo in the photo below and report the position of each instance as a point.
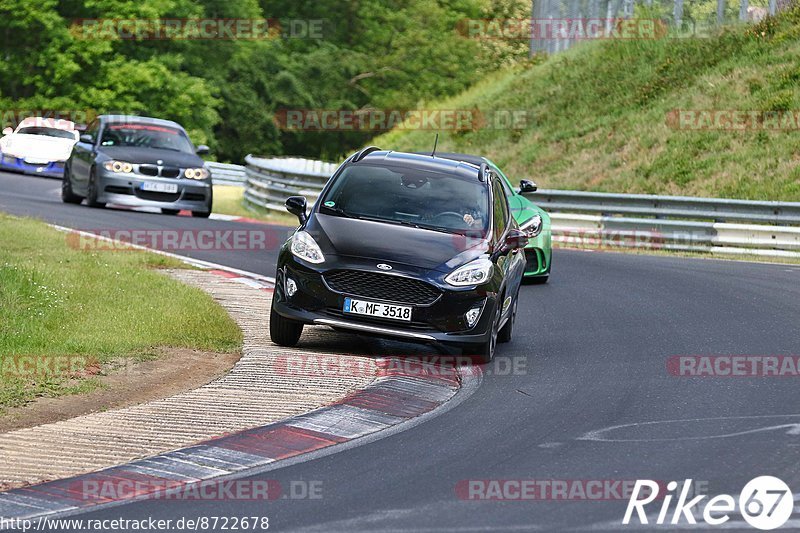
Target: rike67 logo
(765, 503)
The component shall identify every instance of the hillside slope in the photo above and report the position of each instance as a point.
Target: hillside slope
(597, 116)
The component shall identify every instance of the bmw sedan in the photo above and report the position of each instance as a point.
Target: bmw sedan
(139, 162)
(403, 246)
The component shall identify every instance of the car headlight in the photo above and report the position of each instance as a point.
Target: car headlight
(196, 173)
(304, 247)
(120, 167)
(533, 227)
(473, 273)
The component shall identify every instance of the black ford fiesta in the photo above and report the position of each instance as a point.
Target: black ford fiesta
(403, 246)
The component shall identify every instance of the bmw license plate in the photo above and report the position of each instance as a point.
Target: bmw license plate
(159, 187)
(360, 307)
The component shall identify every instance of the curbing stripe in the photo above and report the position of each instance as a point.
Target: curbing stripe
(387, 402)
(362, 413)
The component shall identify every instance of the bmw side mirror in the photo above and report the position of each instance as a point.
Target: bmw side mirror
(86, 138)
(297, 205)
(202, 150)
(7, 131)
(516, 239)
(527, 186)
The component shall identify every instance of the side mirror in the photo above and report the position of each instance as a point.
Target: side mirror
(86, 138)
(516, 239)
(202, 150)
(297, 206)
(527, 186)
(8, 131)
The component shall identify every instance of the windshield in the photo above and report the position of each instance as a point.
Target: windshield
(146, 136)
(49, 132)
(398, 195)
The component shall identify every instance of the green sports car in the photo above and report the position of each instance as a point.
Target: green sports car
(531, 219)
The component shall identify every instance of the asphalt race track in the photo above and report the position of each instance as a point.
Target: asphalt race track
(590, 352)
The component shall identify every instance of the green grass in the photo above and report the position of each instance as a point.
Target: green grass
(229, 200)
(58, 302)
(597, 115)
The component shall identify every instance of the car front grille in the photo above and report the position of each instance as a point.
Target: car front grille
(148, 170)
(170, 172)
(164, 172)
(382, 287)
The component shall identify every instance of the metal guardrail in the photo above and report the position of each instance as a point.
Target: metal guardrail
(646, 205)
(594, 232)
(588, 219)
(271, 181)
(226, 174)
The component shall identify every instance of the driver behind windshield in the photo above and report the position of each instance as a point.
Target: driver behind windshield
(146, 136)
(429, 200)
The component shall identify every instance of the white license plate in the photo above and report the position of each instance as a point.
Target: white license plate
(360, 307)
(159, 187)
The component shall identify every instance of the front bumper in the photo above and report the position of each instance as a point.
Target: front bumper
(51, 169)
(441, 322)
(126, 189)
(538, 255)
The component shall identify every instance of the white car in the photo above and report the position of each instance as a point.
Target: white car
(38, 146)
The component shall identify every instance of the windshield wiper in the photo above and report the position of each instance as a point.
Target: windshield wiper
(340, 212)
(413, 225)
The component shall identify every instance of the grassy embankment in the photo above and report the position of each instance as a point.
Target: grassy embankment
(90, 308)
(229, 200)
(597, 116)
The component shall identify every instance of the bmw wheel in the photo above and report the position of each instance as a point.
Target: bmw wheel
(67, 196)
(91, 196)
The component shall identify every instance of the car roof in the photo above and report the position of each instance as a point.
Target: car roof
(134, 119)
(467, 158)
(444, 165)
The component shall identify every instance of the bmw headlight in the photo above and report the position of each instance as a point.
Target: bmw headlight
(119, 167)
(196, 173)
(532, 227)
(304, 247)
(473, 273)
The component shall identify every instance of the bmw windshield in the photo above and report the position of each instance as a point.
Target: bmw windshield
(146, 136)
(423, 199)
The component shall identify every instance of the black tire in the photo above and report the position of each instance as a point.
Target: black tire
(91, 193)
(172, 212)
(283, 331)
(67, 196)
(210, 204)
(484, 353)
(508, 329)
